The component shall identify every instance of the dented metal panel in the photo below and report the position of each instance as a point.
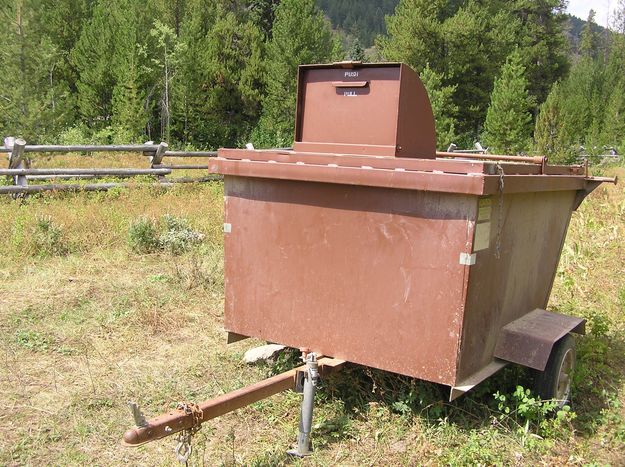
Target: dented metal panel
(372, 274)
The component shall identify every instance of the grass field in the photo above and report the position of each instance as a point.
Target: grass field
(87, 323)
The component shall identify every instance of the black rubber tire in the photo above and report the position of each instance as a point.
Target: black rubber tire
(554, 383)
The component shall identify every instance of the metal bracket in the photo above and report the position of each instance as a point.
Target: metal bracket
(138, 416)
(300, 379)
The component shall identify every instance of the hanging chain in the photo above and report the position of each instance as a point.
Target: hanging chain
(500, 214)
(183, 447)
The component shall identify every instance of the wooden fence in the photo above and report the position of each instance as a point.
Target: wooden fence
(20, 171)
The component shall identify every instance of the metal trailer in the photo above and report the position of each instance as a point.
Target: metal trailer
(432, 265)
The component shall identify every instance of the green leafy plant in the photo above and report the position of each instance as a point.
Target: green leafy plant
(178, 236)
(529, 416)
(143, 236)
(48, 238)
(32, 340)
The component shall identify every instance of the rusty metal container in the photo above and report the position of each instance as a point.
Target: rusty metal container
(362, 245)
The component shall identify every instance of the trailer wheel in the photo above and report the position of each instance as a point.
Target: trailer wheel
(554, 383)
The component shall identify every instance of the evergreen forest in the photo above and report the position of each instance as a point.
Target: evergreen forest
(520, 76)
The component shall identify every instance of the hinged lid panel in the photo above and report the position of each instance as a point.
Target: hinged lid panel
(352, 108)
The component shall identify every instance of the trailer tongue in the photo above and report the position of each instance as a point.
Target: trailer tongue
(188, 417)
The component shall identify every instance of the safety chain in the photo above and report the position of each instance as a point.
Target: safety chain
(500, 214)
(183, 447)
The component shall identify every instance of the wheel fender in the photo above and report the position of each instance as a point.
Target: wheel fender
(528, 340)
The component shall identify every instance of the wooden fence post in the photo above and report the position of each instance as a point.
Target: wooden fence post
(17, 161)
(157, 159)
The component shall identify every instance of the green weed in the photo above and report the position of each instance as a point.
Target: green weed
(143, 236)
(172, 234)
(32, 340)
(48, 238)
(527, 414)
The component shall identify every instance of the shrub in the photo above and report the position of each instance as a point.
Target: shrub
(75, 135)
(172, 234)
(178, 236)
(48, 238)
(143, 236)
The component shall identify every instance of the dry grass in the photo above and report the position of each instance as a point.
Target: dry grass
(84, 332)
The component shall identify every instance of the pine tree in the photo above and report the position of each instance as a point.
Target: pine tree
(356, 52)
(613, 130)
(33, 103)
(542, 42)
(478, 39)
(442, 106)
(414, 34)
(363, 19)
(508, 121)
(301, 35)
(61, 21)
(573, 113)
(92, 58)
(547, 134)
(218, 86)
(114, 63)
(129, 118)
(589, 46)
(616, 59)
(263, 14)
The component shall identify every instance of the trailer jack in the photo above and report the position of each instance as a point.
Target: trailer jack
(306, 381)
(187, 418)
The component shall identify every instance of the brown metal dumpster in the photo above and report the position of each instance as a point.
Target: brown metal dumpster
(362, 244)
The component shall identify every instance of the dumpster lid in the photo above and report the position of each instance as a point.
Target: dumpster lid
(379, 109)
(442, 175)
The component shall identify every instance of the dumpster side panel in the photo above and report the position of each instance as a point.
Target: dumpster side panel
(416, 135)
(504, 289)
(368, 275)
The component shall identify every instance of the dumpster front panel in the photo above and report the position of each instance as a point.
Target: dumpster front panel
(369, 275)
(505, 287)
(354, 95)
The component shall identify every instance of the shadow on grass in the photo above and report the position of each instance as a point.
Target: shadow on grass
(359, 390)
(600, 372)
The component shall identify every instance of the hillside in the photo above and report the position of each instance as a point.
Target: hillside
(364, 19)
(574, 32)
